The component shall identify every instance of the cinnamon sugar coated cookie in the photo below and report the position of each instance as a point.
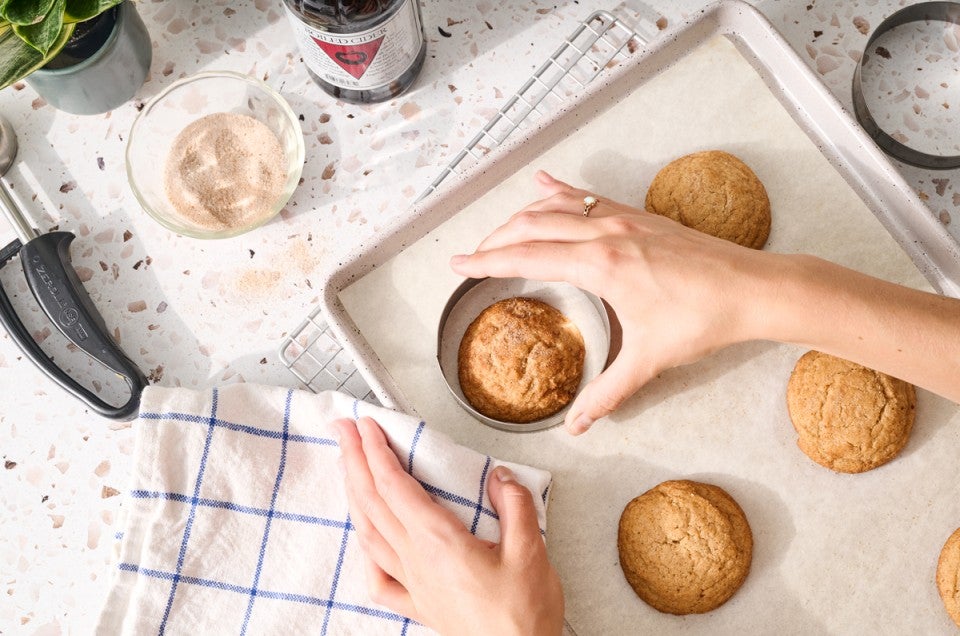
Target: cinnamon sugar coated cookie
(948, 576)
(685, 547)
(520, 361)
(848, 418)
(713, 192)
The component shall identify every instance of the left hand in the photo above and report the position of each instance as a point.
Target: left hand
(423, 563)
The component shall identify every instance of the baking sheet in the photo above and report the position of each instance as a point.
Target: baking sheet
(833, 553)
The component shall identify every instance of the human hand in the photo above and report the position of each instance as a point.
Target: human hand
(678, 293)
(423, 563)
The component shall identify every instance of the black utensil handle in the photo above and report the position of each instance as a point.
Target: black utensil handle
(59, 292)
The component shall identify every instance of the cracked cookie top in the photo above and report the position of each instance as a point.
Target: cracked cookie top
(685, 547)
(848, 418)
(520, 360)
(713, 192)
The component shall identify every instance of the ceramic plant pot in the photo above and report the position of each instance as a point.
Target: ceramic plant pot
(101, 67)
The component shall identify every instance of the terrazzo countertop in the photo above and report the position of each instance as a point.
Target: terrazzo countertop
(202, 313)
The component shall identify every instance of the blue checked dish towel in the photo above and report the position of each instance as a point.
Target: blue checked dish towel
(236, 519)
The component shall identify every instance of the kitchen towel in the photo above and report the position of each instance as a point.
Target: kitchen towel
(236, 519)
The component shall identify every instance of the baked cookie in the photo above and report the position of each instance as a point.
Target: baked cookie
(948, 576)
(520, 361)
(716, 193)
(685, 547)
(848, 418)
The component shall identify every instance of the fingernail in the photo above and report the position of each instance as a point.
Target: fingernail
(582, 423)
(502, 473)
(458, 259)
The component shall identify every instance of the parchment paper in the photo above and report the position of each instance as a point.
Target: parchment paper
(834, 554)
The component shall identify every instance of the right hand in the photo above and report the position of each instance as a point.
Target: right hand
(679, 294)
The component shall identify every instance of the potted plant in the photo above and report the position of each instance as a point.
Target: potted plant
(82, 56)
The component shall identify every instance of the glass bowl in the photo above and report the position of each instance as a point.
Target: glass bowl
(185, 101)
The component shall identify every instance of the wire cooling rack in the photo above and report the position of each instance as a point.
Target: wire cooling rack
(600, 42)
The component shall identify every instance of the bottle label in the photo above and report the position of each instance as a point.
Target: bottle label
(364, 59)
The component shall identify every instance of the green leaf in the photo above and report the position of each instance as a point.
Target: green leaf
(18, 59)
(43, 34)
(24, 12)
(80, 10)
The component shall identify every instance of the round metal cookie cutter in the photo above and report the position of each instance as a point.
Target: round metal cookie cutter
(945, 12)
(474, 295)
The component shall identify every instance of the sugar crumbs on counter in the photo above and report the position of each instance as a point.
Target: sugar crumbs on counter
(224, 171)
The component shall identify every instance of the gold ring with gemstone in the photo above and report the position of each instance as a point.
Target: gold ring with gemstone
(589, 202)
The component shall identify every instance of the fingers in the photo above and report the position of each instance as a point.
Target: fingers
(385, 590)
(540, 220)
(404, 496)
(605, 393)
(533, 226)
(519, 530)
(538, 261)
(571, 202)
(568, 201)
(548, 185)
(366, 504)
(562, 197)
(375, 546)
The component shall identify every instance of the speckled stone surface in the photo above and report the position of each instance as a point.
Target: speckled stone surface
(196, 314)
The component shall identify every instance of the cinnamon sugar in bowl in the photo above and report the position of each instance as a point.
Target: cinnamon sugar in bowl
(215, 155)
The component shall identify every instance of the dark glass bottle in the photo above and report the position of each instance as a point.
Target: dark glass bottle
(360, 50)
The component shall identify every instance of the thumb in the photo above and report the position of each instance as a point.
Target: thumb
(550, 186)
(605, 393)
(519, 530)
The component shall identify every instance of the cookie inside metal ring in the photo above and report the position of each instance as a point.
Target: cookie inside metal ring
(583, 309)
